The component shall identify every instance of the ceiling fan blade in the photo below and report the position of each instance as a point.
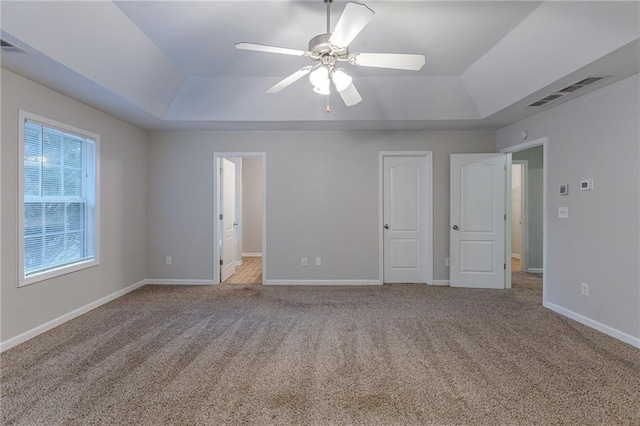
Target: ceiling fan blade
(353, 19)
(350, 95)
(289, 80)
(400, 61)
(270, 49)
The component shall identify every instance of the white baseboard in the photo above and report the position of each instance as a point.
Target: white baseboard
(627, 338)
(440, 282)
(30, 334)
(155, 281)
(251, 254)
(323, 282)
(238, 262)
(535, 270)
(515, 255)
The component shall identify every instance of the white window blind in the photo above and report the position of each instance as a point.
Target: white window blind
(59, 198)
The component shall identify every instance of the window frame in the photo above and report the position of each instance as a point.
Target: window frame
(67, 268)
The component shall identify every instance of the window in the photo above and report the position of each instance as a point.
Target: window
(59, 193)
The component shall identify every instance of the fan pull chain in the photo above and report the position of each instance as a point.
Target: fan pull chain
(328, 107)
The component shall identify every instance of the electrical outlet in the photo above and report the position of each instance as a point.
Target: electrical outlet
(168, 261)
(318, 261)
(303, 262)
(584, 289)
(563, 212)
(447, 261)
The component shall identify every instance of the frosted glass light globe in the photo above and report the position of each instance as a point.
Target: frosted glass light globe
(320, 80)
(341, 79)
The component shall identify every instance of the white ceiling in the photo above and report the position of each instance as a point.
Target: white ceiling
(200, 38)
(172, 64)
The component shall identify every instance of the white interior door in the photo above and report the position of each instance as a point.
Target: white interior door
(406, 216)
(228, 203)
(478, 214)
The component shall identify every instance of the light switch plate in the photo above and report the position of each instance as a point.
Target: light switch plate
(563, 212)
(564, 189)
(586, 185)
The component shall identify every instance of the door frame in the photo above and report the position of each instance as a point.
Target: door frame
(524, 213)
(217, 156)
(544, 142)
(428, 210)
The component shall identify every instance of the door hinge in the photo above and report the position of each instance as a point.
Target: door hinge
(505, 216)
(505, 266)
(220, 216)
(221, 262)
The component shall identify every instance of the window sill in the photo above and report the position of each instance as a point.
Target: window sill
(53, 273)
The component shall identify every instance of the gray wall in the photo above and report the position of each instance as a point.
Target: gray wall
(322, 198)
(595, 136)
(252, 205)
(534, 157)
(123, 177)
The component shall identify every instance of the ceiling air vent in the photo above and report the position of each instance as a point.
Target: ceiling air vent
(551, 98)
(579, 85)
(10, 48)
(547, 99)
(539, 103)
(569, 89)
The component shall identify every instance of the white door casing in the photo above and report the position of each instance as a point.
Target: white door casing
(217, 223)
(477, 220)
(407, 219)
(544, 142)
(228, 202)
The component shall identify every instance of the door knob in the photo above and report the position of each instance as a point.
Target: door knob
(386, 226)
(455, 227)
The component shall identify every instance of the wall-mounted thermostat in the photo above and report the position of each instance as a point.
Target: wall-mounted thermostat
(564, 189)
(586, 185)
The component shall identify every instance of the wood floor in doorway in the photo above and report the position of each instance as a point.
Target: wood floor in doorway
(250, 272)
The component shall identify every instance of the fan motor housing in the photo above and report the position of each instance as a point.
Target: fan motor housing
(320, 46)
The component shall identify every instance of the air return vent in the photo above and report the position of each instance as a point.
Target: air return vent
(547, 99)
(551, 98)
(569, 89)
(539, 103)
(10, 48)
(579, 85)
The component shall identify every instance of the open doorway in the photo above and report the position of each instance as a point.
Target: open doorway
(518, 219)
(527, 218)
(239, 254)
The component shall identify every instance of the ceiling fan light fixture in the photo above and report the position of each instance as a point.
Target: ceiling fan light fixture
(341, 79)
(332, 47)
(323, 90)
(320, 80)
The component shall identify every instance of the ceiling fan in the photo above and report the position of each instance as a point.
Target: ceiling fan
(329, 49)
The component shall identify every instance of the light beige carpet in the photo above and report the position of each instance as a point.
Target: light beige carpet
(396, 354)
(526, 280)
